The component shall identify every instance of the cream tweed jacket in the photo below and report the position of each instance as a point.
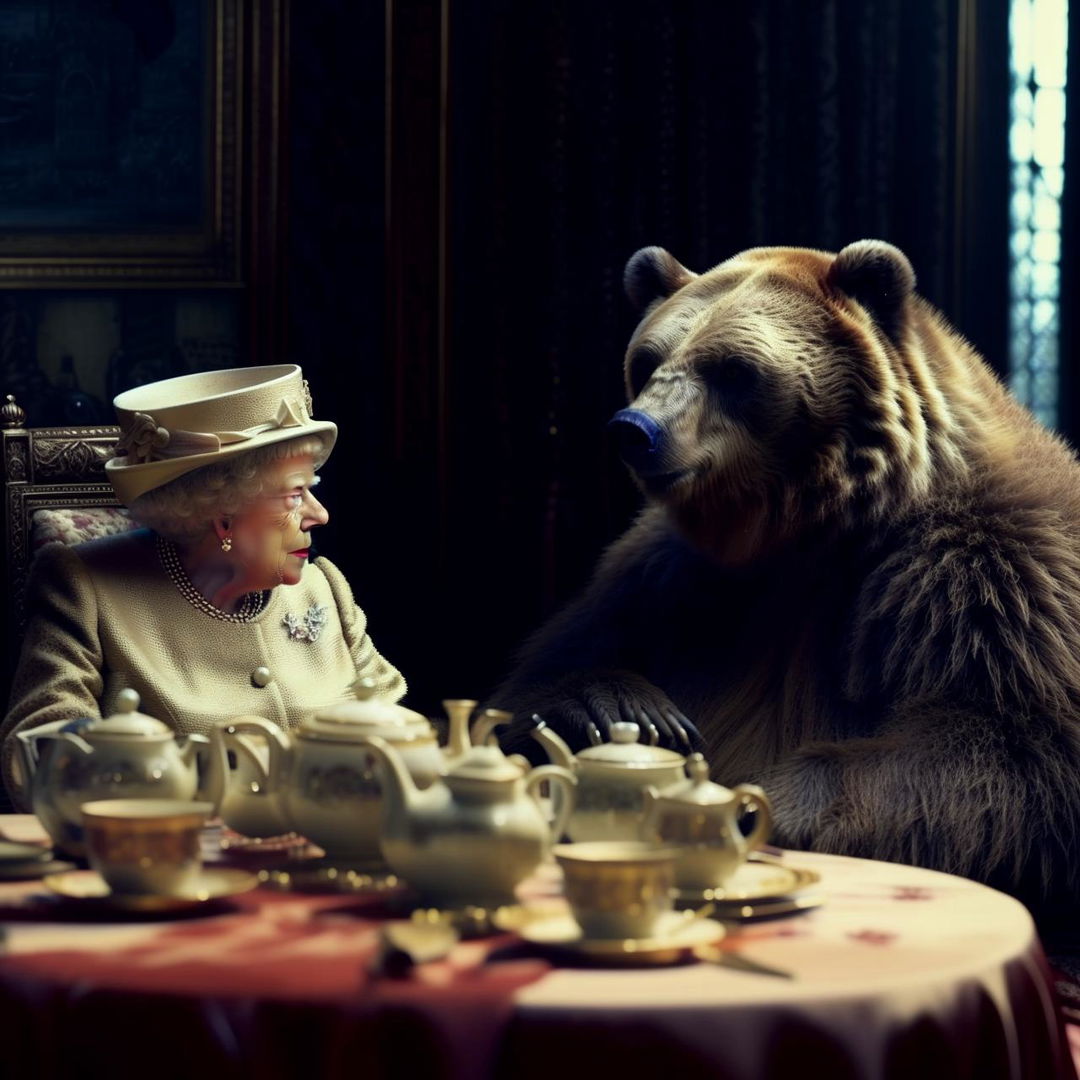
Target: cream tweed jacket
(105, 616)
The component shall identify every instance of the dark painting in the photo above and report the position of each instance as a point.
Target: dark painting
(103, 114)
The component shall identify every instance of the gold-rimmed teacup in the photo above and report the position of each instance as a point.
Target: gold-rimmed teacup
(617, 889)
(146, 846)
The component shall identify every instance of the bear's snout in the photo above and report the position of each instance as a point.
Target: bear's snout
(638, 438)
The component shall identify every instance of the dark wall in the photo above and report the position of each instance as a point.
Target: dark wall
(464, 195)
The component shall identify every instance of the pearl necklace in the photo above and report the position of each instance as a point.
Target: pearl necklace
(250, 607)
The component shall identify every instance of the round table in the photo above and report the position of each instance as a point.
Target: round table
(901, 973)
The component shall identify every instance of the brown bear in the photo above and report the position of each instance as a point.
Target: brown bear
(857, 571)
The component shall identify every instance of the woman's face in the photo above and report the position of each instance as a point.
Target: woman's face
(271, 535)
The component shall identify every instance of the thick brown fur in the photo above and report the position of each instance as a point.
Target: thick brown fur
(857, 572)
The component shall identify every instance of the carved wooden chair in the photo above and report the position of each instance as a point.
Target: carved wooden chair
(54, 491)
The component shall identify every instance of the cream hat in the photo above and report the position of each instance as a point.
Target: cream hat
(170, 427)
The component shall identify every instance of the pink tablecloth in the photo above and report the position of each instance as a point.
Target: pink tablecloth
(903, 973)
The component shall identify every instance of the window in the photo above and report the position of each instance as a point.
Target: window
(1038, 33)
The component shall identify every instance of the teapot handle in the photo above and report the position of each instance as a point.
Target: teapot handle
(647, 828)
(565, 782)
(277, 743)
(77, 741)
(752, 797)
(209, 789)
(28, 742)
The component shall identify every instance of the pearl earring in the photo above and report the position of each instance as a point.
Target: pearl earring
(226, 543)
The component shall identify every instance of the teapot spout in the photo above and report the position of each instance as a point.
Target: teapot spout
(556, 748)
(485, 726)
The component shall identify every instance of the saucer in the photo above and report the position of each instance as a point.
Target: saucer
(12, 852)
(89, 889)
(676, 935)
(768, 909)
(760, 879)
(33, 868)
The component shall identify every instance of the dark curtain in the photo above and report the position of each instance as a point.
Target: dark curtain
(335, 242)
(574, 134)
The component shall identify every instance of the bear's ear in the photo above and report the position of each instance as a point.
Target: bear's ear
(879, 276)
(653, 273)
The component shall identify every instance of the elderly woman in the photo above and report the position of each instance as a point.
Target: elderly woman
(214, 609)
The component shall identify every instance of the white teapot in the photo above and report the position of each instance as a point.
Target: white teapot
(128, 755)
(473, 835)
(611, 780)
(257, 768)
(701, 819)
(319, 780)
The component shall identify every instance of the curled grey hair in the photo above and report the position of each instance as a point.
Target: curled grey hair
(183, 509)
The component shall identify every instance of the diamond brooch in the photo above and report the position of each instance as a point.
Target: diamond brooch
(310, 627)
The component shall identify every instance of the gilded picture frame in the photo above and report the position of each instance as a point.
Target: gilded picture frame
(121, 155)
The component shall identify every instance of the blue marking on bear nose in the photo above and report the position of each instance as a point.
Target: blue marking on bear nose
(638, 438)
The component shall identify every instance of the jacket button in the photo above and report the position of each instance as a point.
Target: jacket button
(261, 677)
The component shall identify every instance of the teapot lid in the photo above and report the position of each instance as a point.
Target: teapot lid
(699, 790)
(487, 763)
(126, 722)
(367, 714)
(625, 750)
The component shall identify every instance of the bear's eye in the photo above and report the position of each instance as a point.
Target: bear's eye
(734, 376)
(643, 363)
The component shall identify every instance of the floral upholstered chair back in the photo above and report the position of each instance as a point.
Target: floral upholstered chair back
(55, 492)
